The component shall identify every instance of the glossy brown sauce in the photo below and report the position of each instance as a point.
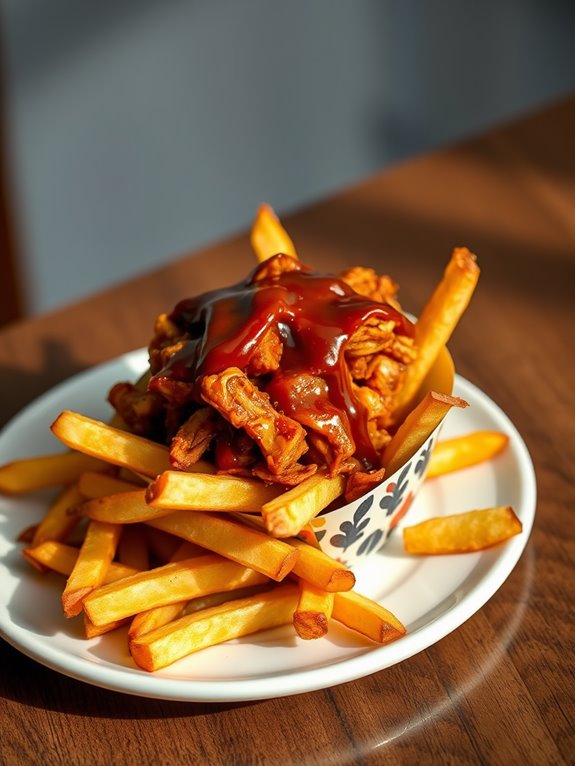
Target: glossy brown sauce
(315, 315)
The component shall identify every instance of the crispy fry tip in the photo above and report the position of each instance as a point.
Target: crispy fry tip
(153, 490)
(310, 625)
(141, 655)
(287, 565)
(390, 633)
(31, 559)
(72, 601)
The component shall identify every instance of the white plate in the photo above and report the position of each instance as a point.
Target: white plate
(432, 596)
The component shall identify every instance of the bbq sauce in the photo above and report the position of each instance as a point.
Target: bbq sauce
(315, 315)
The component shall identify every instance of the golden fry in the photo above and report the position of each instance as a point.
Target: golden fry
(313, 610)
(93, 631)
(198, 492)
(167, 584)
(268, 236)
(317, 568)
(123, 508)
(314, 565)
(144, 622)
(232, 619)
(110, 444)
(367, 617)
(185, 549)
(92, 564)
(215, 599)
(150, 619)
(53, 555)
(287, 514)
(61, 558)
(61, 518)
(462, 532)
(133, 548)
(117, 571)
(163, 546)
(94, 484)
(33, 473)
(231, 539)
(437, 322)
(464, 451)
(415, 429)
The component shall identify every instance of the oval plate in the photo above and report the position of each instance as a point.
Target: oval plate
(432, 596)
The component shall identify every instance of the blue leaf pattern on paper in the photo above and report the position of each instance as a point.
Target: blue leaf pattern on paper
(370, 543)
(351, 531)
(368, 528)
(390, 502)
(423, 459)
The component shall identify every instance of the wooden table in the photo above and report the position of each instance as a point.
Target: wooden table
(485, 693)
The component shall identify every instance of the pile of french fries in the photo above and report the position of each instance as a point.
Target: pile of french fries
(189, 559)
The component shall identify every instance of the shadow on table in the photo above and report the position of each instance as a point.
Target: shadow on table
(19, 387)
(25, 681)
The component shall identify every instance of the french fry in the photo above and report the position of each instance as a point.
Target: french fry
(52, 554)
(94, 559)
(150, 619)
(232, 619)
(117, 571)
(33, 473)
(123, 508)
(286, 514)
(163, 546)
(436, 323)
(61, 558)
(462, 532)
(231, 539)
(113, 445)
(61, 517)
(93, 631)
(144, 622)
(215, 599)
(314, 566)
(177, 581)
(97, 484)
(133, 548)
(416, 427)
(185, 549)
(313, 610)
(465, 451)
(268, 236)
(367, 617)
(176, 490)
(317, 568)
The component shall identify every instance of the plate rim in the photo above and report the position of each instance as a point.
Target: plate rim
(137, 682)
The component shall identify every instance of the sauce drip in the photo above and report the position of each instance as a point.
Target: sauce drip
(315, 315)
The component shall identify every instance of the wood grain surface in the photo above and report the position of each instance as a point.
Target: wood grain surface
(501, 688)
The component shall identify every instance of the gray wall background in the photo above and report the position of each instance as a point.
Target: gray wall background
(141, 129)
